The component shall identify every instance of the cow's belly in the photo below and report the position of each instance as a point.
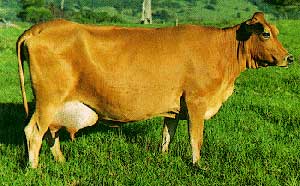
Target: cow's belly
(139, 108)
(131, 92)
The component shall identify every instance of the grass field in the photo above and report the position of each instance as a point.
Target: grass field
(253, 140)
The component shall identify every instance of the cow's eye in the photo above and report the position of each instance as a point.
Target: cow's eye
(266, 35)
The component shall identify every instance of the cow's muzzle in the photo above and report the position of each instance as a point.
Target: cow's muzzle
(289, 59)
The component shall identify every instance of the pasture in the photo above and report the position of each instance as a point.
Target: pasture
(253, 140)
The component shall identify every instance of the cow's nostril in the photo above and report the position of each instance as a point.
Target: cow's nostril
(290, 59)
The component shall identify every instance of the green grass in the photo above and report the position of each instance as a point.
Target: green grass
(253, 140)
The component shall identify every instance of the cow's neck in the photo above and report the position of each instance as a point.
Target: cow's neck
(238, 55)
(243, 51)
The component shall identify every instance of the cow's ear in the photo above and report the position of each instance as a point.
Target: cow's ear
(242, 34)
(274, 29)
(248, 28)
(254, 28)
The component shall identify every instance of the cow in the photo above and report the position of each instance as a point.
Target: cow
(80, 73)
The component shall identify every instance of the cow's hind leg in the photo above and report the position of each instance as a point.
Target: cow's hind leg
(30, 130)
(34, 135)
(34, 131)
(55, 149)
(169, 130)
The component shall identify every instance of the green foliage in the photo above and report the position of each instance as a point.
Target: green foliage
(34, 14)
(280, 9)
(99, 15)
(192, 2)
(211, 4)
(35, 3)
(282, 2)
(162, 14)
(8, 9)
(34, 11)
(210, 7)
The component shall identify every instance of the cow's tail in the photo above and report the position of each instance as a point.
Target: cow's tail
(31, 32)
(20, 54)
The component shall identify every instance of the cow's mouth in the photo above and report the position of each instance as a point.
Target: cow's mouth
(263, 63)
(288, 60)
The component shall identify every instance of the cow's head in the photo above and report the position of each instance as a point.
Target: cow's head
(262, 47)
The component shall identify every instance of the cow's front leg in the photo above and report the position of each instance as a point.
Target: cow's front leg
(169, 130)
(196, 112)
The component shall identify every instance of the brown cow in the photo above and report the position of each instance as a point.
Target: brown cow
(130, 74)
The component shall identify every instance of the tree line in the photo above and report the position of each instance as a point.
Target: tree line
(97, 11)
(283, 2)
(78, 10)
(127, 11)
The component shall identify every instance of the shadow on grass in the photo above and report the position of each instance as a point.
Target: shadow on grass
(131, 131)
(145, 134)
(12, 123)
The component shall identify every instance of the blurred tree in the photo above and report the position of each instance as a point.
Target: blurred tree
(62, 6)
(282, 9)
(37, 14)
(34, 11)
(146, 12)
(36, 3)
(192, 2)
(162, 14)
(282, 2)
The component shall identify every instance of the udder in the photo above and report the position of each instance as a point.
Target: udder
(73, 116)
